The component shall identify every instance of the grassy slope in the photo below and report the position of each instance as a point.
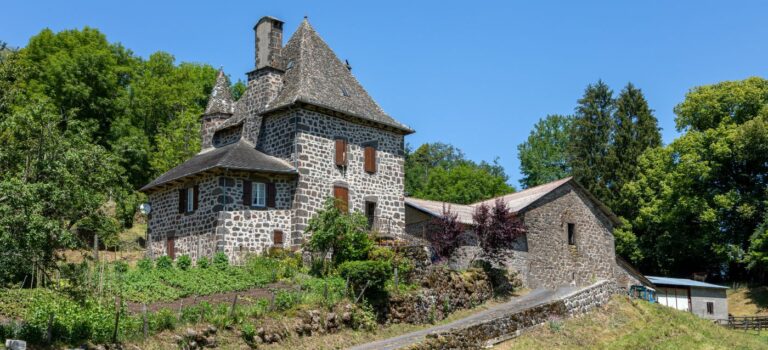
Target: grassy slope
(748, 301)
(625, 324)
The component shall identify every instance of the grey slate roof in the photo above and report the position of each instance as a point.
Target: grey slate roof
(241, 155)
(314, 75)
(221, 100)
(669, 281)
(515, 202)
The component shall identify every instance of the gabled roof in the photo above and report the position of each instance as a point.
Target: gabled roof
(220, 101)
(516, 202)
(669, 281)
(241, 155)
(315, 76)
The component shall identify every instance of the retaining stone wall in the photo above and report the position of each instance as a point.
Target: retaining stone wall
(485, 333)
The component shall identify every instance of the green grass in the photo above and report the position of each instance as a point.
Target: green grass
(748, 300)
(631, 324)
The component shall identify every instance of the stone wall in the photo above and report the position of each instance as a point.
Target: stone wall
(228, 135)
(243, 232)
(208, 127)
(315, 148)
(551, 260)
(482, 334)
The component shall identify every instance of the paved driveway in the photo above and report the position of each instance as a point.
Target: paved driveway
(534, 298)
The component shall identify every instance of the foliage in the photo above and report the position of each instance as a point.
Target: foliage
(497, 228)
(220, 260)
(144, 264)
(346, 235)
(441, 172)
(121, 267)
(184, 262)
(444, 233)
(203, 262)
(591, 137)
(368, 276)
(285, 300)
(700, 199)
(544, 155)
(164, 262)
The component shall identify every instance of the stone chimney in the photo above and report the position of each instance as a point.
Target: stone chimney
(269, 42)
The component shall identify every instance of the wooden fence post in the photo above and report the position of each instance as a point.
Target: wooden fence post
(49, 333)
(234, 305)
(117, 320)
(145, 326)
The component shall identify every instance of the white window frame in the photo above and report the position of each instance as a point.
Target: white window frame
(259, 194)
(190, 199)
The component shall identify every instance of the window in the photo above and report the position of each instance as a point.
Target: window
(572, 234)
(259, 194)
(710, 308)
(341, 152)
(190, 200)
(370, 213)
(370, 159)
(277, 238)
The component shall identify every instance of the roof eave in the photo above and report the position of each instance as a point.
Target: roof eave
(149, 188)
(403, 130)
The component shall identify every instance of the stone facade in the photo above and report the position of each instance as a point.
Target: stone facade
(300, 134)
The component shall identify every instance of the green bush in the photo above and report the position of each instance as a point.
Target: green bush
(164, 262)
(184, 262)
(368, 275)
(220, 260)
(248, 332)
(344, 234)
(381, 254)
(164, 319)
(285, 300)
(203, 263)
(145, 264)
(121, 267)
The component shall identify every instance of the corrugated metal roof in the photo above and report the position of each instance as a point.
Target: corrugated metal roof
(669, 281)
(435, 208)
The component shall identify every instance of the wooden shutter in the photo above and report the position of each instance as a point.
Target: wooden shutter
(247, 189)
(195, 197)
(182, 200)
(277, 237)
(271, 193)
(370, 159)
(342, 196)
(341, 152)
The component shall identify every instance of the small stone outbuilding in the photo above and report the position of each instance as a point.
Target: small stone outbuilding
(568, 241)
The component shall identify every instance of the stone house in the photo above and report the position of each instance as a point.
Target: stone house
(568, 240)
(303, 131)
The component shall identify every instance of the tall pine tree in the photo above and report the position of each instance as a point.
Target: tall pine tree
(591, 139)
(636, 129)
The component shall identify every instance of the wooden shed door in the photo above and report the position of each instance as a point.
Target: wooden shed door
(342, 195)
(171, 248)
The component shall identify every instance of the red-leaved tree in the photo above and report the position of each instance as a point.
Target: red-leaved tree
(496, 228)
(444, 233)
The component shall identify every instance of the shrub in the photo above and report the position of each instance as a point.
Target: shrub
(121, 267)
(284, 300)
(277, 253)
(220, 260)
(164, 320)
(381, 254)
(144, 264)
(344, 234)
(368, 276)
(184, 262)
(203, 263)
(164, 262)
(248, 332)
(364, 318)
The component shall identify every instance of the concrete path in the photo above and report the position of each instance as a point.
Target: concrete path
(534, 298)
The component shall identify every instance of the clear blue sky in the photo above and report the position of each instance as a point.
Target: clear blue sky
(474, 74)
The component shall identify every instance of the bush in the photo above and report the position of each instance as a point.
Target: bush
(500, 278)
(344, 234)
(121, 267)
(370, 276)
(220, 260)
(249, 332)
(285, 300)
(381, 254)
(145, 264)
(164, 263)
(164, 320)
(203, 263)
(184, 262)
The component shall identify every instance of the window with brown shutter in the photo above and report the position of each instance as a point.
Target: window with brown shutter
(277, 237)
(342, 198)
(171, 247)
(341, 152)
(370, 159)
(247, 188)
(271, 193)
(182, 200)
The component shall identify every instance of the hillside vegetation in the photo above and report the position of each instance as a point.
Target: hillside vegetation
(748, 301)
(626, 324)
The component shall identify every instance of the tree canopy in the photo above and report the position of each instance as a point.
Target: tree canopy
(439, 171)
(544, 155)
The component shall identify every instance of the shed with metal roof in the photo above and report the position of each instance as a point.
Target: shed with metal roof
(706, 300)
